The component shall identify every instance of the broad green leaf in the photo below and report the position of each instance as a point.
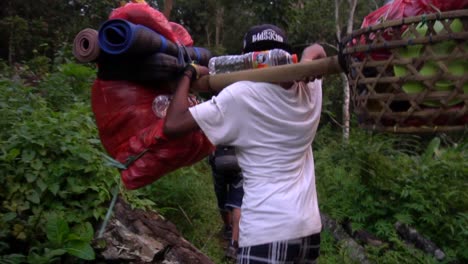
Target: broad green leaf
(74, 236)
(30, 177)
(57, 229)
(36, 164)
(12, 259)
(54, 253)
(54, 188)
(28, 155)
(40, 259)
(41, 184)
(431, 149)
(8, 216)
(80, 249)
(84, 232)
(12, 154)
(33, 196)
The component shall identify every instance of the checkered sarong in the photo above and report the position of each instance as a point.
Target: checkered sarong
(303, 250)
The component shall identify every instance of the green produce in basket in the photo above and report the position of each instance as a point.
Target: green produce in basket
(431, 68)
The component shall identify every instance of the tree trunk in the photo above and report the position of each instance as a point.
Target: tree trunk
(411, 235)
(346, 101)
(11, 45)
(346, 91)
(208, 36)
(167, 8)
(219, 25)
(137, 236)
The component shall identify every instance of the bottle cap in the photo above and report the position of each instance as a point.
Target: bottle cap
(294, 58)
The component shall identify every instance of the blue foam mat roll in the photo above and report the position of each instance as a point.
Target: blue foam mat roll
(119, 37)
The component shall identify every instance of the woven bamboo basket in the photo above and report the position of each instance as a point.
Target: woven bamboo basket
(411, 75)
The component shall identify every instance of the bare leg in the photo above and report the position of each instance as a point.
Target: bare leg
(226, 216)
(234, 244)
(236, 213)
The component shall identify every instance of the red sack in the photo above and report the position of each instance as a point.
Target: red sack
(405, 8)
(144, 14)
(182, 34)
(446, 5)
(128, 128)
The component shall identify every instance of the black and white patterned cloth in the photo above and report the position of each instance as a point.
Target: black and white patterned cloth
(303, 250)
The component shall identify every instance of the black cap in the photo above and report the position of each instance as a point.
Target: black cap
(265, 37)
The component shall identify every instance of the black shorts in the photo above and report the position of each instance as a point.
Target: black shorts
(304, 250)
(229, 190)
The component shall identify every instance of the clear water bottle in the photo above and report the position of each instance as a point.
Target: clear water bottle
(161, 103)
(251, 60)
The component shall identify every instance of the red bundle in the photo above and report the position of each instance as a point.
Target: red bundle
(398, 9)
(128, 129)
(144, 14)
(182, 35)
(406, 8)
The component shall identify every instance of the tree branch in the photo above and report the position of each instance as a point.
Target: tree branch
(167, 8)
(354, 250)
(337, 19)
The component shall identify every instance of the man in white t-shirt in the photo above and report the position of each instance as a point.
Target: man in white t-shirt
(272, 127)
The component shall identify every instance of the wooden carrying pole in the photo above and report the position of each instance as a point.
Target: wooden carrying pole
(283, 73)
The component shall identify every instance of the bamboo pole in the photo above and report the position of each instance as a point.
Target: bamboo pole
(283, 73)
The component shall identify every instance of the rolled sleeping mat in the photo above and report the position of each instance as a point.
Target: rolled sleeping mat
(119, 37)
(201, 56)
(156, 67)
(86, 45)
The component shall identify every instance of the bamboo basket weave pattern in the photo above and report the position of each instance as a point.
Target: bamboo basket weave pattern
(411, 75)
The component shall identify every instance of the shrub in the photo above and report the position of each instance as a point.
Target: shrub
(375, 181)
(53, 184)
(51, 168)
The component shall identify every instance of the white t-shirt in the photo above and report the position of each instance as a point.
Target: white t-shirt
(272, 129)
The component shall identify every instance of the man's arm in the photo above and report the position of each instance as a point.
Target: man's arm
(313, 52)
(179, 120)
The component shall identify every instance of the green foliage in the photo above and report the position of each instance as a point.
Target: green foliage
(68, 85)
(40, 65)
(54, 181)
(44, 25)
(374, 182)
(332, 252)
(54, 185)
(16, 103)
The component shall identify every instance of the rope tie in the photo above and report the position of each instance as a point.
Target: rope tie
(423, 21)
(439, 13)
(342, 57)
(115, 191)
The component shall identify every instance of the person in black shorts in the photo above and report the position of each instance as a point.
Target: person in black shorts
(227, 179)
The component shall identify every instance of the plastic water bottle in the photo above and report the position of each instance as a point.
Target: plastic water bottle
(161, 103)
(251, 60)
